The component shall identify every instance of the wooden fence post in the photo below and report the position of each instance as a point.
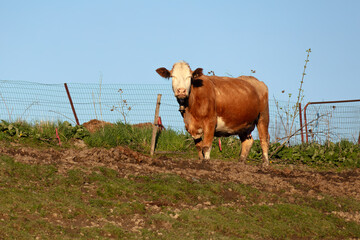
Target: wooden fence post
(153, 138)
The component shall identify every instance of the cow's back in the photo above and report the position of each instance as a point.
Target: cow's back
(239, 101)
(260, 86)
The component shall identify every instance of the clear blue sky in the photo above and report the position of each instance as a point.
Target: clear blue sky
(75, 41)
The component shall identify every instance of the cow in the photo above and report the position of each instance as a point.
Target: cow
(220, 106)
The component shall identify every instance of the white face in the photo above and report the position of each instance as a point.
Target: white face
(181, 79)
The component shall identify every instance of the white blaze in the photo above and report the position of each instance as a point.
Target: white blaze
(181, 77)
(221, 126)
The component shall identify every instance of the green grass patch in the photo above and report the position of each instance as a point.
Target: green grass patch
(41, 133)
(139, 138)
(343, 154)
(279, 221)
(38, 201)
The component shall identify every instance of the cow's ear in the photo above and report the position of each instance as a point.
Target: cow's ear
(197, 73)
(163, 72)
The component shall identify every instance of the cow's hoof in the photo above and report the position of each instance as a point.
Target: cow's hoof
(242, 160)
(265, 165)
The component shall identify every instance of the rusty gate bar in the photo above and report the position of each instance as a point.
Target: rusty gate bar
(71, 103)
(301, 126)
(325, 102)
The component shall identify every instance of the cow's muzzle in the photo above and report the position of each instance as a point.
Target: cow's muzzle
(181, 93)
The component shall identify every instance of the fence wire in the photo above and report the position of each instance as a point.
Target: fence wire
(134, 103)
(333, 122)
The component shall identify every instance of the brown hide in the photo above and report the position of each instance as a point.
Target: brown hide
(201, 108)
(238, 101)
(221, 106)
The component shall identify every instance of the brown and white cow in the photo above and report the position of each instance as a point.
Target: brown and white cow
(220, 106)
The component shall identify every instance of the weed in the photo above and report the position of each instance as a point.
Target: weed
(41, 132)
(122, 107)
(340, 154)
(288, 114)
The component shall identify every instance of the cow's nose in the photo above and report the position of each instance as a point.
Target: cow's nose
(181, 92)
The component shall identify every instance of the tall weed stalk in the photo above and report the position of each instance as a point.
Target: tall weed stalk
(6, 106)
(99, 98)
(291, 112)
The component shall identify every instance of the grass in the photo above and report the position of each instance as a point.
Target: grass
(343, 154)
(41, 133)
(36, 201)
(139, 138)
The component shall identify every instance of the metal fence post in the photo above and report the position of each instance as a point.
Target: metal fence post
(301, 126)
(305, 121)
(153, 138)
(71, 103)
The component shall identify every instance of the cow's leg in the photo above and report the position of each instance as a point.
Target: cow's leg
(207, 151)
(198, 144)
(263, 129)
(246, 143)
(209, 131)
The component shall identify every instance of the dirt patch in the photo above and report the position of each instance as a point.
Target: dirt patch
(94, 125)
(355, 217)
(289, 181)
(143, 125)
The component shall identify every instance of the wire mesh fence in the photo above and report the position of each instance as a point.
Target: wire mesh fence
(131, 103)
(134, 103)
(333, 121)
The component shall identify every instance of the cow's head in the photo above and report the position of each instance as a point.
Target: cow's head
(181, 75)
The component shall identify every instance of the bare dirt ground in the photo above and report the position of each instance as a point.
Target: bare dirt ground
(289, 180)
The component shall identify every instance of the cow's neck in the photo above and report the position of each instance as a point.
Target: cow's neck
(183, 104)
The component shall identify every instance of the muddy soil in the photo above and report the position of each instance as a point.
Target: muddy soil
(291, 180)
